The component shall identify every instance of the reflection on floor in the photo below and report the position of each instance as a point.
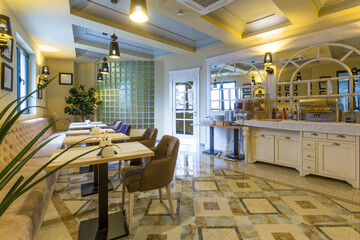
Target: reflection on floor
(216, 199)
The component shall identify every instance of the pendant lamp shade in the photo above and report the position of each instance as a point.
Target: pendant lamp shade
(114, 51)
(45, 70)
(100, 76)
(5, 27)
(268, 59)
(105, 66)
(138, 11)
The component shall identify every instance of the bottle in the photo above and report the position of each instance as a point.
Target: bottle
(295, 117)
(273, 113)
(283, 114)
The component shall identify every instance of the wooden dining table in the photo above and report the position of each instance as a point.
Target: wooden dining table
(94, 138)
(105, 226)
(88, 131)
(86, 126)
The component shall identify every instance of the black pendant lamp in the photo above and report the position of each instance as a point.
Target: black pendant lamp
(100, 76)
(114, 48)
(105, 66)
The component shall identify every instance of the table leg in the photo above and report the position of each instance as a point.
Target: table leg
(236, 154)
(211, 150)
(106, 226)
(92, 187)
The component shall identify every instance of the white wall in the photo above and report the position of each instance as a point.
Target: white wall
(36, 61)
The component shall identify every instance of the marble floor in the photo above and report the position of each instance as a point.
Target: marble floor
(218, 199)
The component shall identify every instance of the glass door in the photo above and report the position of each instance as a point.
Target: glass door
(184, 110)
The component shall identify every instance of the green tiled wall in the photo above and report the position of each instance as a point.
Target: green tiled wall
(128, 93)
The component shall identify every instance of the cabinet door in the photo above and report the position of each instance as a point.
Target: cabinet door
(287, 150)
(337, 159)
(263, 147)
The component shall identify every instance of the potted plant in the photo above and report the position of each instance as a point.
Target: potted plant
(81, 102)
(10, 115)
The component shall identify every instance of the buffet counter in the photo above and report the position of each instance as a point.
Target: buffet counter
(320, 148)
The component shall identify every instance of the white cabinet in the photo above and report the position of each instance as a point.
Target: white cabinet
(337, 159)
(263, 147)
(287, 150)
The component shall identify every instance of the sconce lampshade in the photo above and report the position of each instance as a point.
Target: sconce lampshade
(354, 72)
(100, 76)
(268, 59)
(105, 66)
(138, 11)
(5, 27)
(298, 77)
(114, 47)
(214, 84)
(45, 70)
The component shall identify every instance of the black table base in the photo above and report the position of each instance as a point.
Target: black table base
(238, 157)
(212, 152)
(89, 188)
(117, 228)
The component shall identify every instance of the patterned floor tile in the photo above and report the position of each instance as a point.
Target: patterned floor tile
(338, 232)
(280, 232)
(259, 206)
(157, 233)
(211, 206)
(156, 208)
(219, 233)
(205, 186)
(306, 205)
(243, 186)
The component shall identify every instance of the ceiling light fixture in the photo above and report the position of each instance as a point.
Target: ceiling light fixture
(138, 11)
(5, 32)
(114, 51)
(105, 66)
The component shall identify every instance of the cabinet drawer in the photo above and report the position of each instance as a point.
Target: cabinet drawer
(309, 155)
(309, 166)
(314, 135)
(341, 137)
(309, 144)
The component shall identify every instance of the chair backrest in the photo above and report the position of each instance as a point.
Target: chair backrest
(149, 137)
(126, 129)
(117, 125)
(159, 171)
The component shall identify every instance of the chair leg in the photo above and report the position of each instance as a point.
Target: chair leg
(123, 196)
(119, 169)
(131, 211)
(168, 191)
(160, 194)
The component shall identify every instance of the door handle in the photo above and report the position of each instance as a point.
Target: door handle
(262, 135)
(340, 136)
(335, 144)
(314, 134)
(287, 137)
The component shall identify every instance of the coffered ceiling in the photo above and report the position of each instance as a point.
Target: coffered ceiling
(81, 29)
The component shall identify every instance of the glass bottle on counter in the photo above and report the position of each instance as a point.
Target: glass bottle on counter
(284, 114)
(273, 114)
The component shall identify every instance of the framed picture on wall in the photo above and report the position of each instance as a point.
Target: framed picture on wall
(322, 84)
(6, 77)
(8, 52)
(246, 90)
(40, 92)
(65, 78)
(247, 96)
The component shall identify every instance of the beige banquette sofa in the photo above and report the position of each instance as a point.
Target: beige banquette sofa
(23, 218)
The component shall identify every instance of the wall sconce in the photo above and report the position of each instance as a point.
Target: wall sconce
(45, 72)
(5, 32)
(100, 76)
(105, 66)
(354, 72)
(214, 83)
(268, 61)
(298, 77)
(138, 11)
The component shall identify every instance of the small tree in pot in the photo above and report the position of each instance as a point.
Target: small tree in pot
(81, 102)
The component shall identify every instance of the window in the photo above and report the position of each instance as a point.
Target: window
(22, 76)
(223, 96)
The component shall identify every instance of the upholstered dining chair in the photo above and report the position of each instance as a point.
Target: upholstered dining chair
(111, 125)
(117, 126)
(155, 173)
(125, 128)
(148, 139)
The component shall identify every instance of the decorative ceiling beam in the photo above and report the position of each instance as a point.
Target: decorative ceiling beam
(98, 23)
(99, 48)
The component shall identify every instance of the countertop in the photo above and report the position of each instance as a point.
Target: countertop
(324, 127)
